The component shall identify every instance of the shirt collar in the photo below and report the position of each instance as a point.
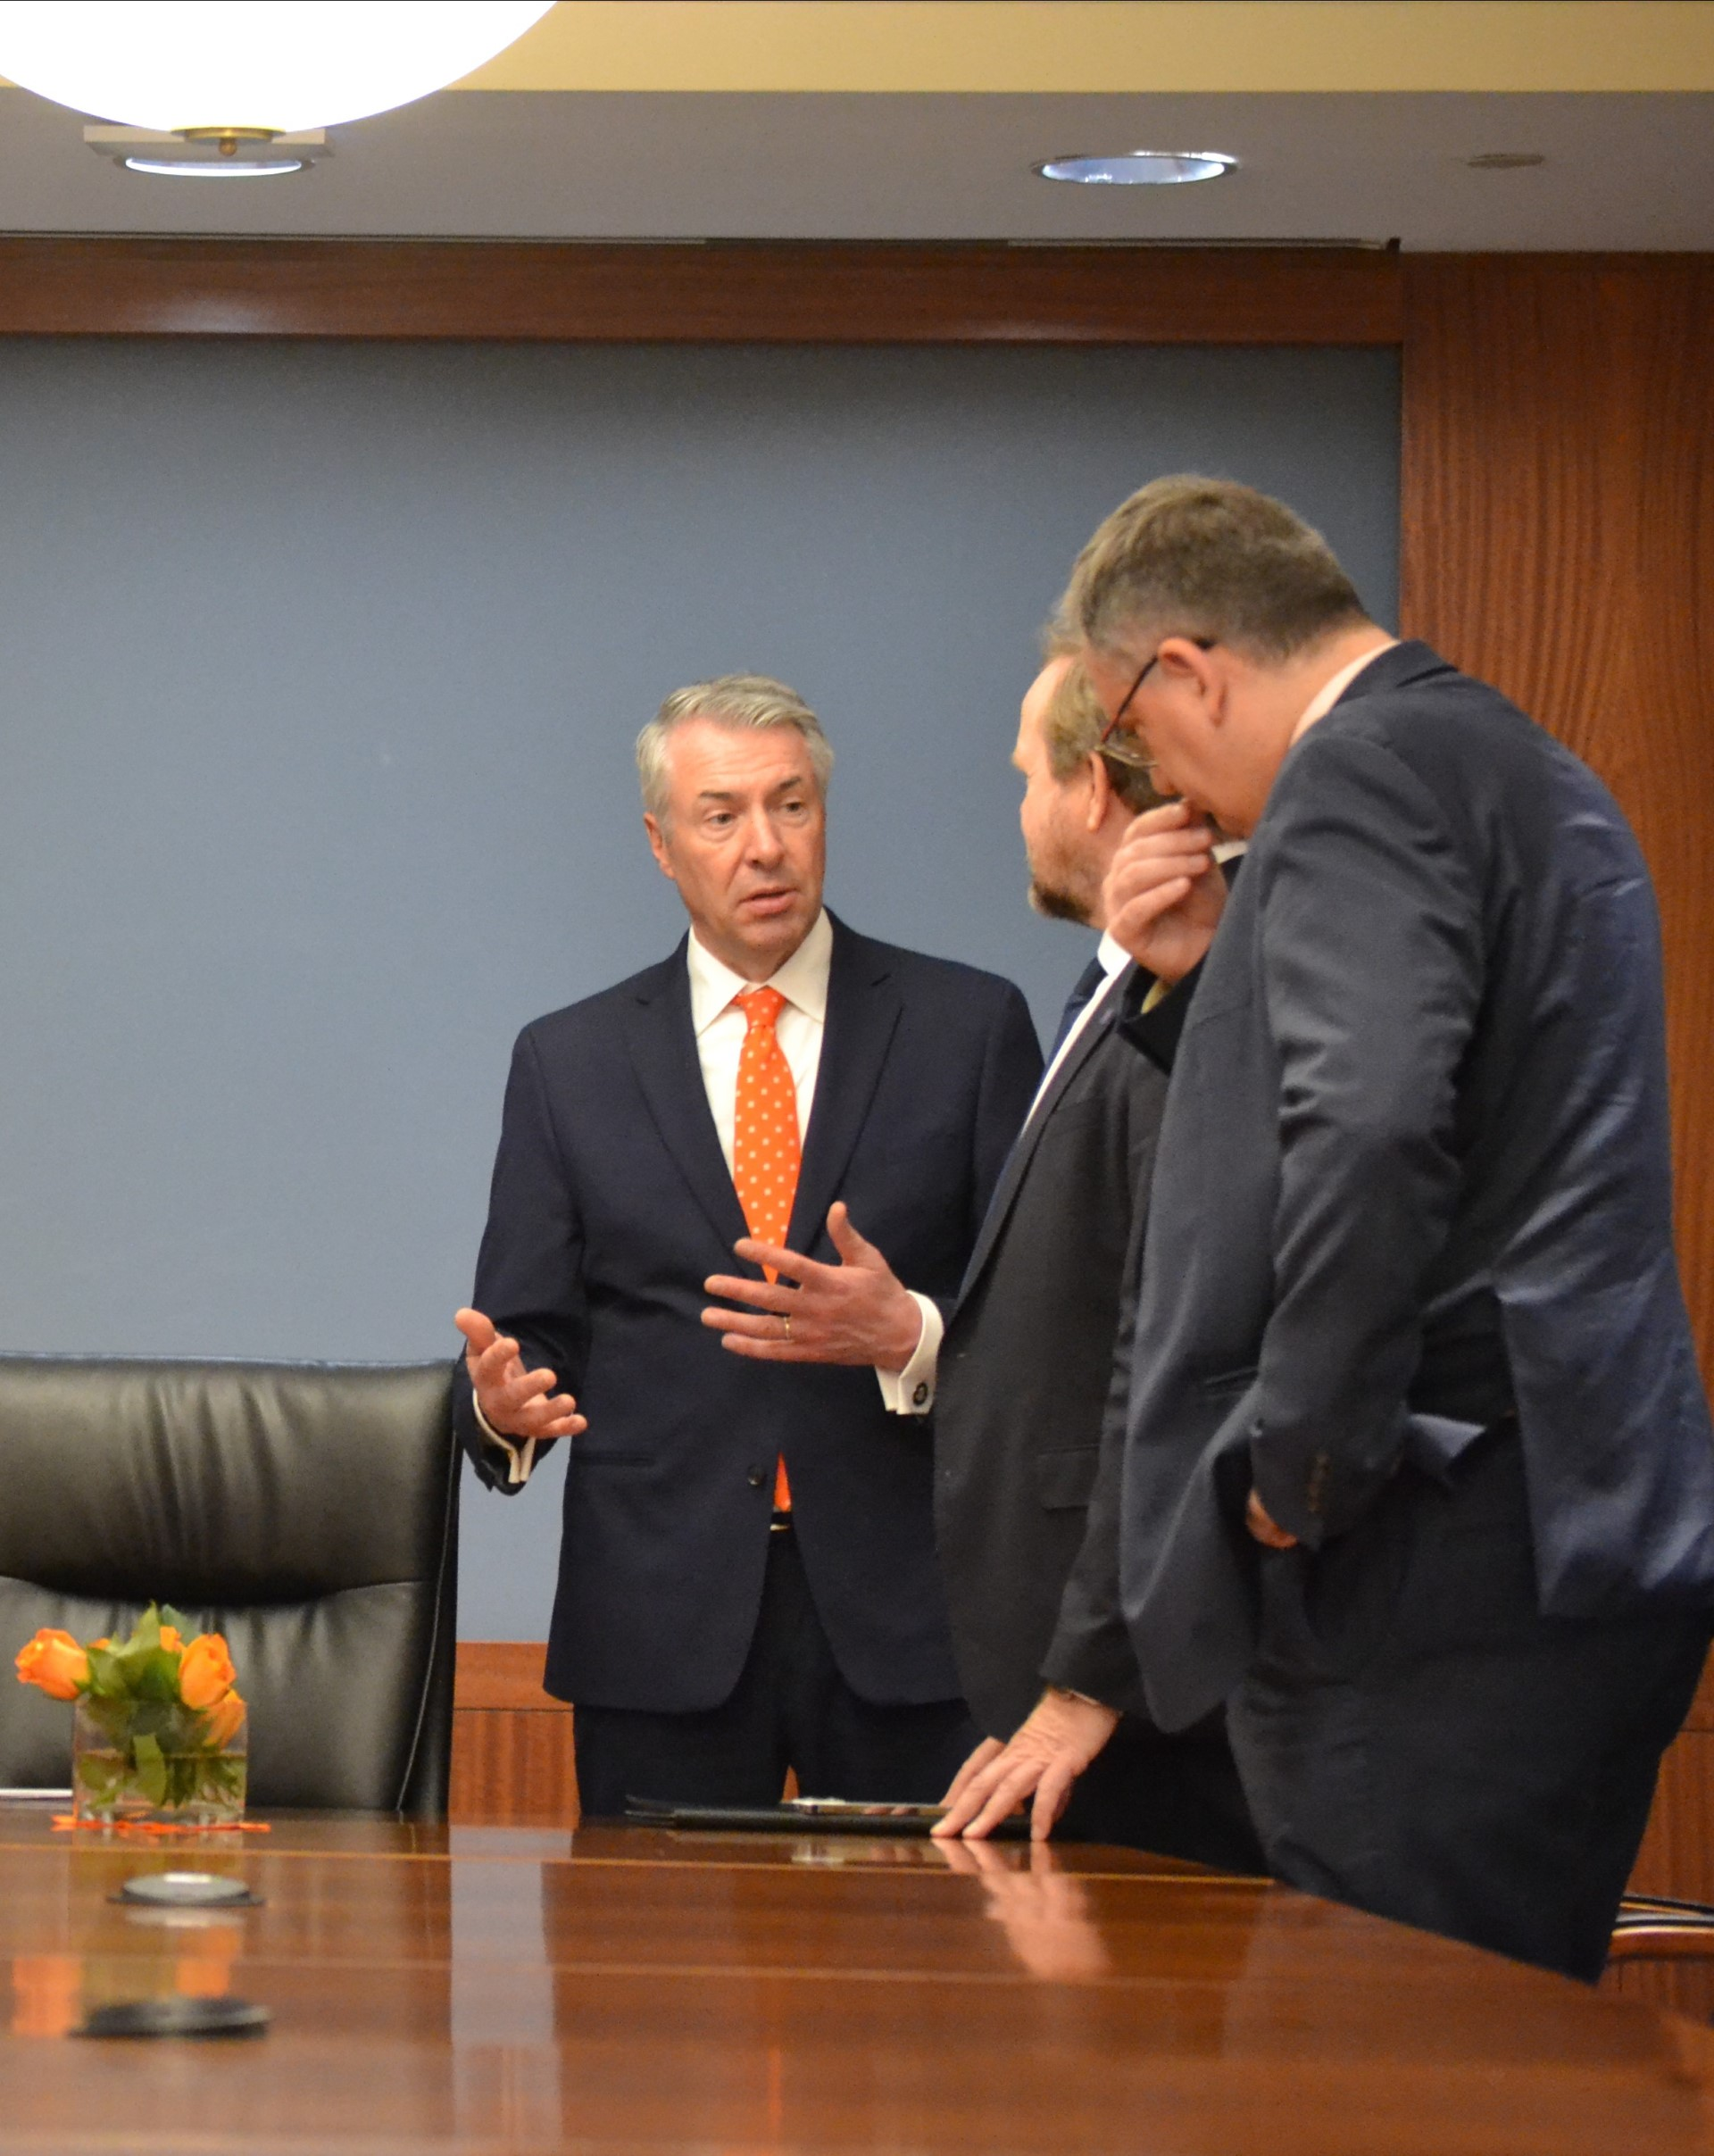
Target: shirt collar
(1330, 692)
(1114, 957)
(801, 981)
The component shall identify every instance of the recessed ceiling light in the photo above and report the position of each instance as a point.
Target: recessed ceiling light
(1138, 167)
(1505, 160)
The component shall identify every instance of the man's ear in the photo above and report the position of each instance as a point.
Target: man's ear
(658, 845)
(1185, 660)
(1101, 796)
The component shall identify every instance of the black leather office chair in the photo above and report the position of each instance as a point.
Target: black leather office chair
(307, 1511)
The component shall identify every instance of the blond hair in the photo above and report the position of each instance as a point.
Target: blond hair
(1072, 725)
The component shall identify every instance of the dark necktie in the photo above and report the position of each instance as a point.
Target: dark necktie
(1088, 981)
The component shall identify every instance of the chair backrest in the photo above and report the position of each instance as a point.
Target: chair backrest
(307, 1511)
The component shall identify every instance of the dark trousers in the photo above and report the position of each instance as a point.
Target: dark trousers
(1417, 1740)
(1175, 1796)
(791, 1710)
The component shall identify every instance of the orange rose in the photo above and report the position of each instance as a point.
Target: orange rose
(170, 1639)
(54, 1661)
(222, 1720)
(205, 1672)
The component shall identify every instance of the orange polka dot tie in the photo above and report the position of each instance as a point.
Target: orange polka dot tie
(766, 1149)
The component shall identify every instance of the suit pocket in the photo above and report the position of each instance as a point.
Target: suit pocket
(1066, 1480)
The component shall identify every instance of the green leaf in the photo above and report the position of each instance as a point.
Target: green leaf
(111, 1716)
(155, 1676)
(100, 1776)
(151, 1767)
(182, 1625)
(107, 1674)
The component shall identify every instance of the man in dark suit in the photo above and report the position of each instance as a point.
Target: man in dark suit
(1419, 1476)
(1028, 1413)
(747, 1577)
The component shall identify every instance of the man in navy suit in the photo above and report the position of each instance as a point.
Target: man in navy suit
(1418, 1476)
(747, 1577)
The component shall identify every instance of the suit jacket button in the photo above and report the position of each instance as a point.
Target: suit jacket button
(756, 1477)
(920, 1395)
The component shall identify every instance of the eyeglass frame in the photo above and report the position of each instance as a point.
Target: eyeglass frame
(1146, 763)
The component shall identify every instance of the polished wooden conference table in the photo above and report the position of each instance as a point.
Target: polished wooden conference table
(613, 1989)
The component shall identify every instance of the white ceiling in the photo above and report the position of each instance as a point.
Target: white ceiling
(1622, 171)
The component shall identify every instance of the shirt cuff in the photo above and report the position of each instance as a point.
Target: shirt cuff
(912, 1390)
(522, 1457)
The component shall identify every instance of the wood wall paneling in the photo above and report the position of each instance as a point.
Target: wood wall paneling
(1558, 503)
(1558, 508)
(513, 1758)
(1558, 540)
(726, 293)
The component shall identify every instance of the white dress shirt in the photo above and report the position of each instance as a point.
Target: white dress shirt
(718, 1020)
(1113, 959)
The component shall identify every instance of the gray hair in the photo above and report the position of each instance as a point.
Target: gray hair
(731, 700)
(1193, 557)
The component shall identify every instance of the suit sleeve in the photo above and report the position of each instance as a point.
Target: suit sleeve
(529, 1272)
(1091, 1648)
(1372, 967)
(1012, 1071)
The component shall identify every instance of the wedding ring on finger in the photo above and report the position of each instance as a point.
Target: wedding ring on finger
(787, 1324)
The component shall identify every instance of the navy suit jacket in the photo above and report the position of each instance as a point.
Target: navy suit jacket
(612, 1203)
(1414, 1174)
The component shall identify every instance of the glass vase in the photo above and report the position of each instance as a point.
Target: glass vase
(158, 1762)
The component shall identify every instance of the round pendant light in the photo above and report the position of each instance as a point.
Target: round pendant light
(278, 66)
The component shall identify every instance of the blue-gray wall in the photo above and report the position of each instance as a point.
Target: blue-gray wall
(321, 665)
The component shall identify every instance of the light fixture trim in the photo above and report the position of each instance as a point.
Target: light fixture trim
(1136, 168)
(209, 154)
(187, 168)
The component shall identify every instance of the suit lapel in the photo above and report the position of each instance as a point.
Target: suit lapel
(1017, 1159)
(863, 1011)
(662, 1047)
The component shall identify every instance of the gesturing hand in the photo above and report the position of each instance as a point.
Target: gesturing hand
(517, 1403)
(1044, 1757)
(854, 1311)
(1163, 896)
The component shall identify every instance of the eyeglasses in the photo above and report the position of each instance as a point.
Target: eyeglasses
(1203, 643)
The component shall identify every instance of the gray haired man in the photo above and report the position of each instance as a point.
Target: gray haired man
(747, 1578)
(1418, 1478)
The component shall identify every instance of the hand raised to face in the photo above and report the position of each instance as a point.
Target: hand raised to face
(1164, 894)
